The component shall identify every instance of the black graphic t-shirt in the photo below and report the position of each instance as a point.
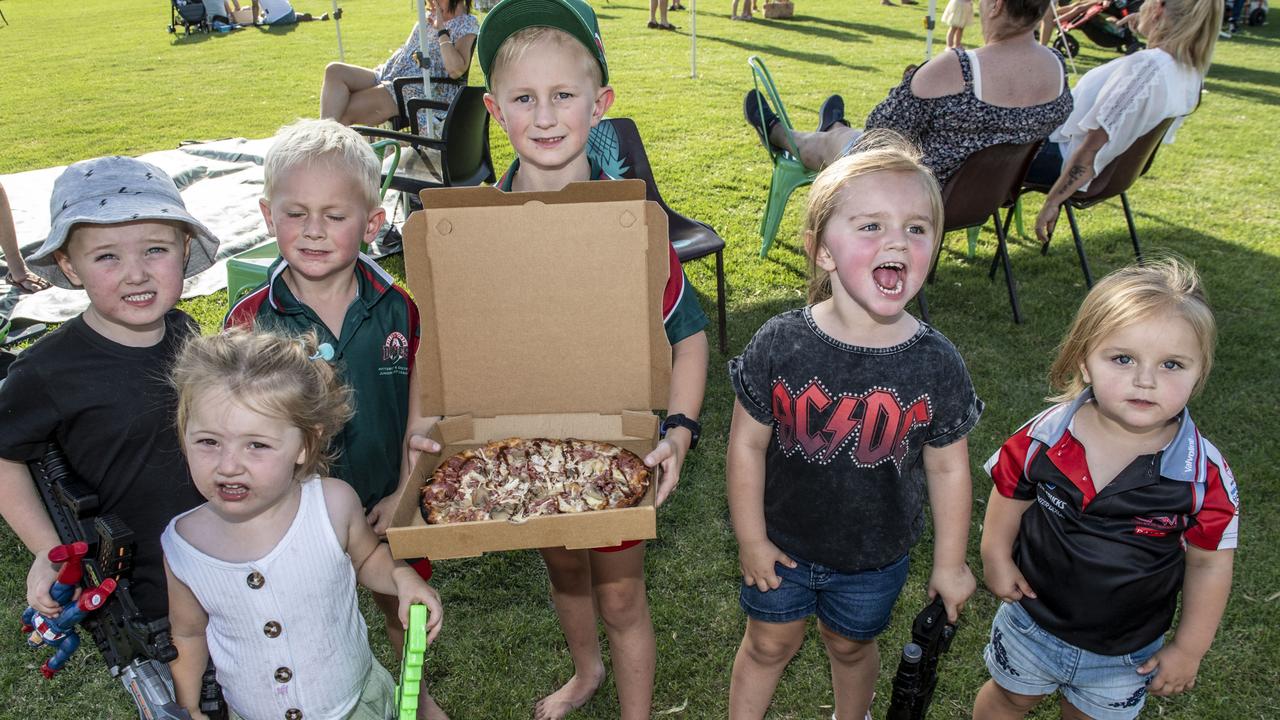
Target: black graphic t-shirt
(844, 473)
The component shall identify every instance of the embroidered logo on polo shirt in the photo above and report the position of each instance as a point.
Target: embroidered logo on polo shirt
(395, 348)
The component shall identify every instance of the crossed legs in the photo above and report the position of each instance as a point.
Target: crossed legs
(352, 96)
(817, 149)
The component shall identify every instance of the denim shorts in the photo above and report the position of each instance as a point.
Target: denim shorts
(856, 605)
(1025, 659)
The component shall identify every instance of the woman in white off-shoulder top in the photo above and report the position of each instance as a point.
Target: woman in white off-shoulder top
(1119, 102)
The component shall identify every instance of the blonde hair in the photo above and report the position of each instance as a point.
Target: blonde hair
(516, 48)
(307, 142)
(1188, 30)
(270, 374)
(876, 151)
(1126, 296)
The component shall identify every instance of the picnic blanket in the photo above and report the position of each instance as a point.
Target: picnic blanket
(220, 183)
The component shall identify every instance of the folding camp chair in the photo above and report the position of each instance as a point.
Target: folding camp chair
(1114, 179)
(987, 181)
(247, 270)
(463, 146)
(615, 143)
(789, 173)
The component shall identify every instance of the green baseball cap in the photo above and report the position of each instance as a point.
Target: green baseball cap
(509, 17)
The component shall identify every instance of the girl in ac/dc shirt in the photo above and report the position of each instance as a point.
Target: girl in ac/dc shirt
(847, 409)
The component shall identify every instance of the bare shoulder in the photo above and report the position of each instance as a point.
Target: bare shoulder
(339, 497)
(938, 77)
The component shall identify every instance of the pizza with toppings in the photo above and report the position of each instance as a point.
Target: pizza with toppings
(516, 479)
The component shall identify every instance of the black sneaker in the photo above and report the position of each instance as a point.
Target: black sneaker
(754, 106)
(831, 113)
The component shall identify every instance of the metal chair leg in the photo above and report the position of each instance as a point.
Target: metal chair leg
(724, 342)
(1002, 252)
(995, 261)
(1075, 235)
(1133, 230)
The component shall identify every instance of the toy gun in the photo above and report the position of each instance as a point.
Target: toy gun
(917, 674)
(133, 646)
(413, 665)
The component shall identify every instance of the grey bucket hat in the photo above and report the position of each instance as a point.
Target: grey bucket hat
(110, 190)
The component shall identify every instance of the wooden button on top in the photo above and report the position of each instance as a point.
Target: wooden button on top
(271, 629)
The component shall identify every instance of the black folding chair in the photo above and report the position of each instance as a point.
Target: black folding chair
(692, 239)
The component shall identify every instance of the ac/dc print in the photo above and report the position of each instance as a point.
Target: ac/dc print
(871, 427)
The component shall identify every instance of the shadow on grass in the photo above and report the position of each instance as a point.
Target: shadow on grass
(1263, 82)
(774, 50)
(861, 28)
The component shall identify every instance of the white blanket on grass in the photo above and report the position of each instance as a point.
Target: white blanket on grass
(220, 183)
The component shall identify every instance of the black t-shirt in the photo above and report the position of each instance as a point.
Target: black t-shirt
(844, 473)
(112, 411)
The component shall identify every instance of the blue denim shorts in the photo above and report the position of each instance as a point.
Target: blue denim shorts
(1025, 659)
(856, 605)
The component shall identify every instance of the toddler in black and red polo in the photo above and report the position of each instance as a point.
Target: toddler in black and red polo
(1106, 506)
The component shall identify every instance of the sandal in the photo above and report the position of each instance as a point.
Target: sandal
(831, 113)
(28, 285)
(653, 25)
(758, 114)
(667, 26)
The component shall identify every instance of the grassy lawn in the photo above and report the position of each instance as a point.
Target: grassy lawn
(79, 80)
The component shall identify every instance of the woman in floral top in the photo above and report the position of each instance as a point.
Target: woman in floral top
(356, 95)
(1010, 90)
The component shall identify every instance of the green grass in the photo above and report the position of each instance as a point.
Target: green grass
(88, 79)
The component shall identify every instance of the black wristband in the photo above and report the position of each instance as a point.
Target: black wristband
(443, 32)
(681, 420)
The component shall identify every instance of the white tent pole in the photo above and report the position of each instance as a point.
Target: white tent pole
(928, 25)
(337, 25)
(693, 38)
(422, 48)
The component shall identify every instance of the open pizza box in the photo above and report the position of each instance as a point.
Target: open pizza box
(541, 317)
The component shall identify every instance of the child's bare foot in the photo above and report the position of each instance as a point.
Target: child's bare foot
(429, 710)
(573, 695)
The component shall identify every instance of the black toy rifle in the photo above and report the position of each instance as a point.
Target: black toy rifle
(917, 674)
(132, 646)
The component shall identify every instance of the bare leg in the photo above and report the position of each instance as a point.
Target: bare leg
(1069, 711)
(389, 605)
(764, 653)
(855, 664)
(617, 580)
(351, 95)
(817, 149)
(999, 704)
(1048, 24)
(570, 572)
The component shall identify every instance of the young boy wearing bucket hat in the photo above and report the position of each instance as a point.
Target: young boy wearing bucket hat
(98, 386)
(545, 69)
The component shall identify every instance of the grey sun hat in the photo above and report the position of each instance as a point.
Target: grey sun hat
(110, 190)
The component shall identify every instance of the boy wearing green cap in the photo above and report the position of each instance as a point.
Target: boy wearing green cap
(545, 68)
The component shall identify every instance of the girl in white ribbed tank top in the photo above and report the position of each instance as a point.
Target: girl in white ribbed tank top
(262, 577)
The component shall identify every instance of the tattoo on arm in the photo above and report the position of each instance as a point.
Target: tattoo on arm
(1074, 175)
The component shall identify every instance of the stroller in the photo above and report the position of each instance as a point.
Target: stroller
(1253, 14)
(1097, 23)
(189, 14)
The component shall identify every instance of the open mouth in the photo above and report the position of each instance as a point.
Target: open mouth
(548, 142)
(232, 491)
(140, 298)
(889, 278)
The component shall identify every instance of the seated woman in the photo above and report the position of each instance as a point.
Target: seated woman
(1010, 90)
(354, 95)
(1119, 102)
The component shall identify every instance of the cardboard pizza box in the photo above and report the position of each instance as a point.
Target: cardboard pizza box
(541, 317)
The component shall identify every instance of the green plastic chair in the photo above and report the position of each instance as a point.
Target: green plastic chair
(247, 270)
(789, 173)
(413, 664)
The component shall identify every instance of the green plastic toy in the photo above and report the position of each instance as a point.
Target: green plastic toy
(413, 664)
